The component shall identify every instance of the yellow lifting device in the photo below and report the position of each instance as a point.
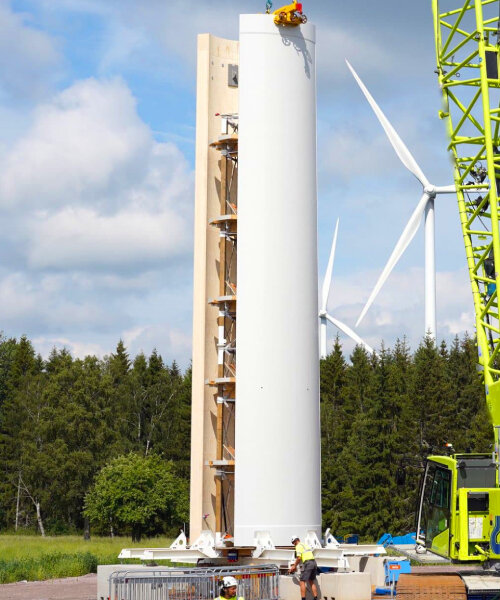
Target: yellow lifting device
(290, 14)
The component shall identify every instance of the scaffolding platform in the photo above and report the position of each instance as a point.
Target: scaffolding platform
(221, 381)
(225, 140)
(223, 300)
(223, 220)
(221, 463)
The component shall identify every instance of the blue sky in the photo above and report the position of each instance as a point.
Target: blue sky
(97, 111)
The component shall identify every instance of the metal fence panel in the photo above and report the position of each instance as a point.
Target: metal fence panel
(254, 583)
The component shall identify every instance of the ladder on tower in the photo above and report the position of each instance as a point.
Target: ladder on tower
(225, 380)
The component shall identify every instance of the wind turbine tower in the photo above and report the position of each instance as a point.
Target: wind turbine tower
(277, 334)
(255, 333)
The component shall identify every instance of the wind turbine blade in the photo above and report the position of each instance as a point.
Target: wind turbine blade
(397, 143)
(348, 331)
(406, 237)
(327, 282)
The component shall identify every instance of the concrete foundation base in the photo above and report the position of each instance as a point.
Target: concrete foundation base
(373, 565)
(346, 586)
(290, 589)
(104, 572)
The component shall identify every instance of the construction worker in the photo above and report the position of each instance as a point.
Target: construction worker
(228, 589)
(309, 567)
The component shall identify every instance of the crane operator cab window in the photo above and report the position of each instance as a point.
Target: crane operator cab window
(435, 505)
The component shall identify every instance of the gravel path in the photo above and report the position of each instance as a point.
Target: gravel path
(72, 588)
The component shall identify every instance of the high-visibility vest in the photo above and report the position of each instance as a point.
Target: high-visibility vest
(304, 552)
(232, 598)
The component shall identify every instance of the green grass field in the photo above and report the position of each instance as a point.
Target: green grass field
(35, 558)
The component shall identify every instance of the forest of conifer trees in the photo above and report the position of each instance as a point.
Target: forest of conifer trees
(64, 419)
(381, 413)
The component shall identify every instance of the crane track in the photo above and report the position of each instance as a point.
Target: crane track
(427, 587)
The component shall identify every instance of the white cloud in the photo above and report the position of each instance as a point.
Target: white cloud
(399, 308)
(33, 305)
(131, 26)
(362, 50)
(82, 239)
(86, 142)
(349, 152)
(384, 318)
(120, 283)
(78, 349)
(106, 194)
(121, 44)
(131, 335)
(465, 322)
(29, 59)
(98, 220)
(175, 24)
(169, 341)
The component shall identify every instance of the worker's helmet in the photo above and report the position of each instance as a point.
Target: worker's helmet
(228, 582)
(295, 537)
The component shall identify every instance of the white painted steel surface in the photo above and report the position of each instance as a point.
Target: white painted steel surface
(277, 479)
(323, 337)
(430, 269)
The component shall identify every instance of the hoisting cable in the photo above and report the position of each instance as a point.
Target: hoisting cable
(269, 5)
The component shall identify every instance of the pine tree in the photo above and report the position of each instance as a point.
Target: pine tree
(405, 446)
(178, 448)
(138, 396)
(118, 378)
(469, 400)
(350, 467)
(333, 436)
(430, 395)
(119, 364)
(7, 354)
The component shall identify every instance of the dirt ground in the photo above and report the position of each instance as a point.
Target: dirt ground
(72, 588)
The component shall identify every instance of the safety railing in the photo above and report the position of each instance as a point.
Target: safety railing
(254, 583)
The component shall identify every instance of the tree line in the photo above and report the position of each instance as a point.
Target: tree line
(63, 419)
(68, 423)
(381, 414)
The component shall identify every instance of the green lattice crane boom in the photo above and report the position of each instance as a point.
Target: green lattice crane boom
(467, 67)
(459, 511)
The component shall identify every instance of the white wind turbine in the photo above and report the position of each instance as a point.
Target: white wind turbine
(323, 314)
(425, 206)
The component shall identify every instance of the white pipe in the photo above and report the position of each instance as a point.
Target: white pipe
(221, 344)
(430, 270)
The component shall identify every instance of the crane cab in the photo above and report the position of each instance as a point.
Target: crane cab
(458, 514)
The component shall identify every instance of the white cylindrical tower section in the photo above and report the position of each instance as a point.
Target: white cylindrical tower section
(277, 477)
